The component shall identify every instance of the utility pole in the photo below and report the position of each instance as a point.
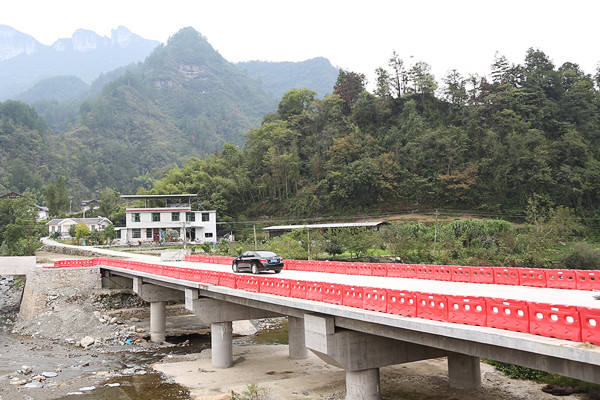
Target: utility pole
(435, 232)
(255, 243)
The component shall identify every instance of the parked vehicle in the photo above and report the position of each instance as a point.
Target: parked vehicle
(258, 261)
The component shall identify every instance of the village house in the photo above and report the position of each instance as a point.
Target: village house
(166, 218)
(62, 225)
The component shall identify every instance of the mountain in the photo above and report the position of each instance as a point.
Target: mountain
(60, 88)
(184, 100)
(279, 77)
(25, 61)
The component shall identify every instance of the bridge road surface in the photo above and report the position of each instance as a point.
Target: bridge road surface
(463, 344)
(566, 297)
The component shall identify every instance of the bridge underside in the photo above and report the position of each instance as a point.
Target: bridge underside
(350, 341)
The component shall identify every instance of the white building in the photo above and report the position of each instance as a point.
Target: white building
(62, 225)
(162, 215)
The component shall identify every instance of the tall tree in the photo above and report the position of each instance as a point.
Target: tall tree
(349, 86)
(57, 197)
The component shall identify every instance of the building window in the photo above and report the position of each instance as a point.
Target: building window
(175, 216)
(205, 217)
(93, 228)
(190, 216)
(58, 228)
(135, 217)
(155, 217)
(118, 234)
(208, 235)
(148, 233)
(136, 233)
(53, 229)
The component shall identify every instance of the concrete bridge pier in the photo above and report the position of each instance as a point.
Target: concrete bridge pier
(464, 372)
(220, 315)
(157, 296)
(296, 338)
(360, 354)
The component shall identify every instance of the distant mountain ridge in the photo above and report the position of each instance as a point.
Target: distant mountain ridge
(25, 61)
(278, 78)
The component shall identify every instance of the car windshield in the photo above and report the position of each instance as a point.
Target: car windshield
(266, 254)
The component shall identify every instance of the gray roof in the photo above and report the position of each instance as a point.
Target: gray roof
(89, 221)
(325, 226)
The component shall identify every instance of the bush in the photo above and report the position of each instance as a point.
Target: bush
(582, 256)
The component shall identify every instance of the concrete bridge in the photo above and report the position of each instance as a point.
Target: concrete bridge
(357, 340)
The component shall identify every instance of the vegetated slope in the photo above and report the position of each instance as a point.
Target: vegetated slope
(59, 88)
(24, 142)
(525, 141)
(184, 100)
(316, 74)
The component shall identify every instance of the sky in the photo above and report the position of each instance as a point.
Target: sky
(358, 36)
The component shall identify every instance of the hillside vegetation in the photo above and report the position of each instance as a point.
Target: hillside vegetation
(525, 140)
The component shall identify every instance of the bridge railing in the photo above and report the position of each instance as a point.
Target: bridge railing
(552, 320)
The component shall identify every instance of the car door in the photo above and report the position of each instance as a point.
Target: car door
(246, 260)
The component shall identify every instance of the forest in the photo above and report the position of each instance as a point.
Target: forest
(526, 137)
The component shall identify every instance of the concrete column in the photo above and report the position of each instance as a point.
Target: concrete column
(296, 338)
(363, 385)
(158, 321)
(464, 372)
(221, 342)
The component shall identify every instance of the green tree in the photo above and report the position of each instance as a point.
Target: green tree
(109, 202)
(57, 197)
(18, 233)
(81, 231)
(295, 102)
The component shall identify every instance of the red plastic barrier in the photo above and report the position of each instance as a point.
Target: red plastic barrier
(506, 276)
(291, 265)
(332, 293)
(228, 280)
(466, 310)
(482, 275)
(352, 268)
(172, 272)
(284, 287)
(535, 277)
(375, 299)
(314, 291)
(442, 272)
(512, 315)
(590, 325)
(352, 296)
(365, 269)
(432, 306)
(267, 285)
(588, 280)
(561, 279)
(249, 283)
(315, 266)
(461, 274)
(210, 277)
(335, 267)
(402, 303)
(298, 289)
(425, 272)
(379, 270)
(402, 270)
(557, 321)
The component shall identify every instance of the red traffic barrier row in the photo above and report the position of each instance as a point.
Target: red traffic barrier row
(209, 259)
(551, 320)
(535, 277)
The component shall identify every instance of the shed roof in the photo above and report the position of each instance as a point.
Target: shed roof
(325, 226)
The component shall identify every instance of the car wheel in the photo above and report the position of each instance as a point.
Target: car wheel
(254, 268)
(277, 271)
(235, 268)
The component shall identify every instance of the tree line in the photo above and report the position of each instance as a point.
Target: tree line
(525, 137)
